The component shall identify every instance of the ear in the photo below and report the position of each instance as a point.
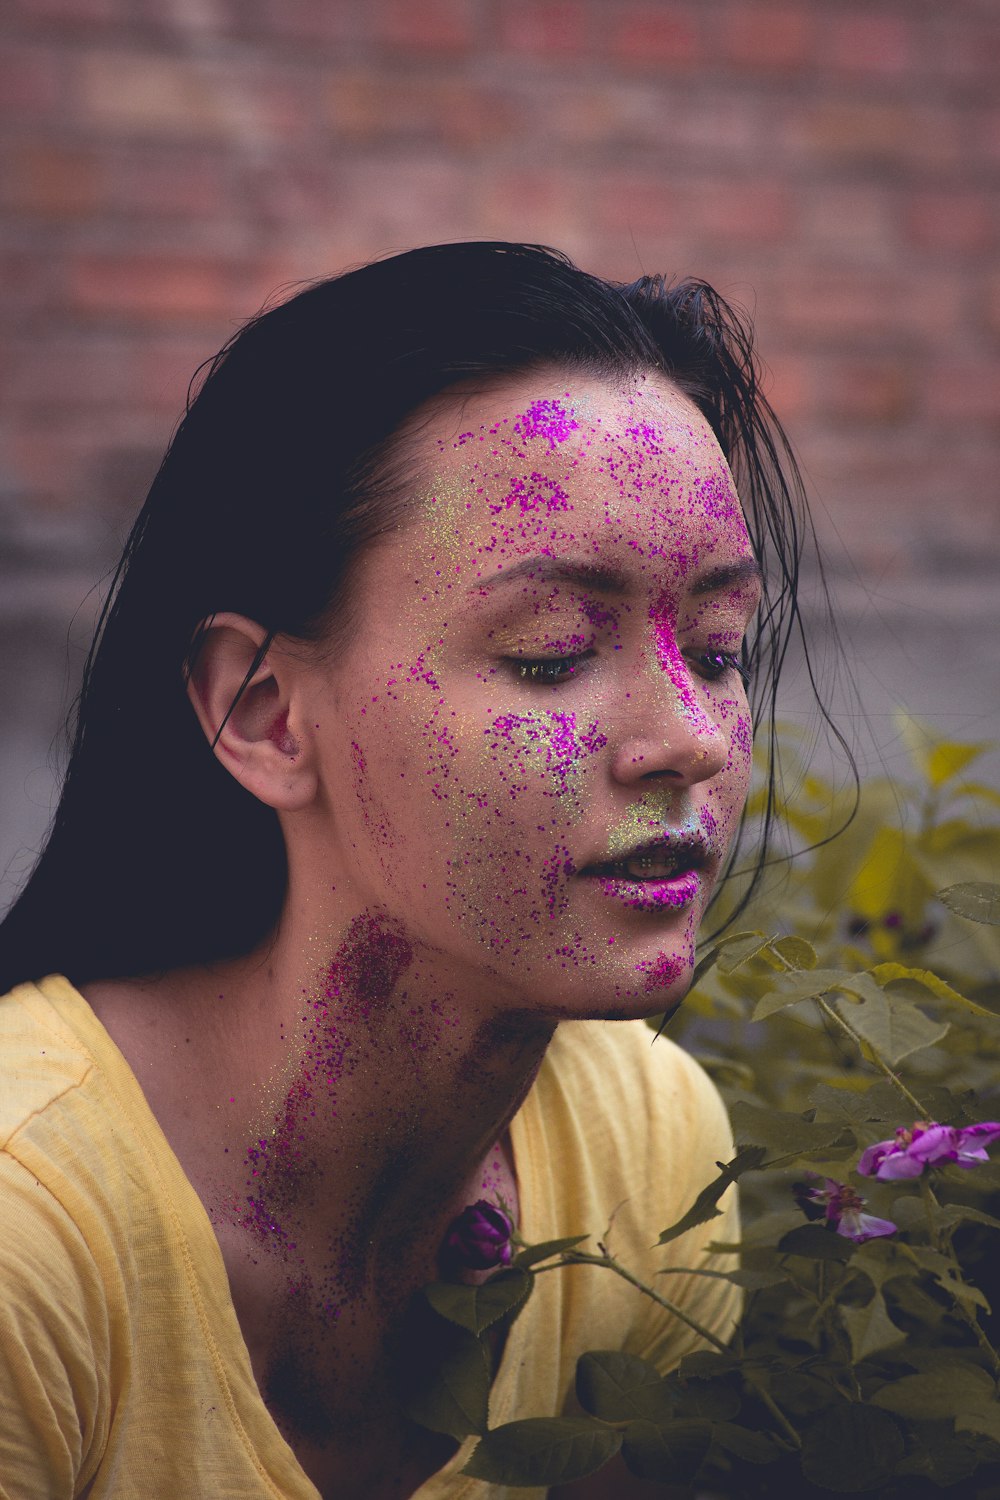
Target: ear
(261, 743)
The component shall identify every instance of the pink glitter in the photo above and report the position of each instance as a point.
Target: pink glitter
(546, 419)
(657, 895)
(536, 492)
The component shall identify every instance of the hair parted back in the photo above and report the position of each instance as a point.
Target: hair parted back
(285, 464)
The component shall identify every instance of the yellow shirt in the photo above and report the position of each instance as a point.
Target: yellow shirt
(122, 1365)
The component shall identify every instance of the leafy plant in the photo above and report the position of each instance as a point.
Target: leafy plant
(866, 1360)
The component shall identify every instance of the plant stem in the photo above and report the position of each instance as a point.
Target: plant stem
(879, 1061)
(580, 1257)
(930, 1204)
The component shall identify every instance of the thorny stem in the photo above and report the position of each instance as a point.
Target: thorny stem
(580, 1257)
(879, 1061)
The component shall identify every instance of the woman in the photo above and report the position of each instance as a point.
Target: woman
(447, 566)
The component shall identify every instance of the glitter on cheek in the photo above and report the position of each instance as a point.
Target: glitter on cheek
(550, 742)
(667, 968)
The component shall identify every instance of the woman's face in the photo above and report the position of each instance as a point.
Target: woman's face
(536, 750)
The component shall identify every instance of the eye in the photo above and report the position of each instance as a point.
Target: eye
(548, 671)
(712, 666)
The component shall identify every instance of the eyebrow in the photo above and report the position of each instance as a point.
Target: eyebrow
(747, 570)
(606, 580)
(550, 569)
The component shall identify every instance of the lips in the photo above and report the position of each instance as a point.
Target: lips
(663, 874)
(665, 858)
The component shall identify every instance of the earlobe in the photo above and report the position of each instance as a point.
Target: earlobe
(252, 735)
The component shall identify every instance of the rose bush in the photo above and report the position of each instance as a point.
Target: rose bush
(854, 1026)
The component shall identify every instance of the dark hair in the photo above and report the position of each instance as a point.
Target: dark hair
(281, 469)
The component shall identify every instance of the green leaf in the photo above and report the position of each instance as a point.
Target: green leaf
(779, 1135)
(794, 952)
(703, 1364)
(983, 1417)
(851, 1449)
(881, 1260)
(739, 949)
(751, 1280)
(816, 1243)
(886, 973)
(742, 1442)
(937, 1454)
(543, 1451)
(947, 1392)
(793, 989)
(946, 759)
(620, 1387)
(977, 789)
(455, 1399)
(704, 1206)
(894, 1028)
(869, 1328)
(741, 943)
(532, 1254)
(957, 1213)
(477, 1307)
(671, 1454)
(711, 1400)
(861, 1105)
(979, 900)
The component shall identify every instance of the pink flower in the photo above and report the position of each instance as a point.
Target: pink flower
(480, 1237)
(927, 1144)
(841, 1207)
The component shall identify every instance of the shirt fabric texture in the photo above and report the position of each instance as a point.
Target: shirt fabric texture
(123, 1371)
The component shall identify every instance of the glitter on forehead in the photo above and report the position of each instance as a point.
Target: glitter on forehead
(718, 497)
(547, 419)
(533, 492)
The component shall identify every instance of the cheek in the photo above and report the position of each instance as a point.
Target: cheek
(728, 792)
(519, 788)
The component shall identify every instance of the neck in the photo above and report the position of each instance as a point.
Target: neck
(387, 1092)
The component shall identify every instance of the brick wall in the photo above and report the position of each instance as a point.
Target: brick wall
(831, 163)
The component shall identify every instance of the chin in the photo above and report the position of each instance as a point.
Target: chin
(654, 989)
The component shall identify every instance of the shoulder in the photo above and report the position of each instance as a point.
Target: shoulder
(55, 1341)
(40, 1059)
(619, 1113)
(646, 1082)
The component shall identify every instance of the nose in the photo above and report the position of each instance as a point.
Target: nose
(669, 728)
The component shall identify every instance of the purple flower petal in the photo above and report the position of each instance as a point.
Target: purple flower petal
(480, 1237)
(934, 1145)
(873, 1157)
(988, 1131)
(971, 1158)
(899, 1165)
(860, 1227)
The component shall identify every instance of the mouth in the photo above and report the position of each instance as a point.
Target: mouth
(662, 873)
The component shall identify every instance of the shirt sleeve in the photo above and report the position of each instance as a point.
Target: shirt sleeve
(689, 1135)
(54, 1345)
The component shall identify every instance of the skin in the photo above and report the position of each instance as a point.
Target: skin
(338, 1096)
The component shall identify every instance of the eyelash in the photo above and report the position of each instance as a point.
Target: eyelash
(548, 671)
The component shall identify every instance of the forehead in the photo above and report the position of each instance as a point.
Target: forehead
(627, 472)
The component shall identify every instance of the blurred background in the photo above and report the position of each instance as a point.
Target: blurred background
(831, 165)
